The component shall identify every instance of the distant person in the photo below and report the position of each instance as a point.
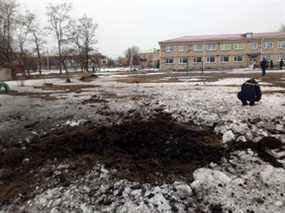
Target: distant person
(271, 65)
(263, 65)
(93, 68)
(254, 65)
(281, 64)
(250, 93)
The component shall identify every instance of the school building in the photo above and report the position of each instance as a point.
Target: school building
(225, 51)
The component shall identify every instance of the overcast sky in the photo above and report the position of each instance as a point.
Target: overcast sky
(124, 23)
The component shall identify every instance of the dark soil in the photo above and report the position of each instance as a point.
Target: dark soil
(156, 151)
(153, 151)
(262, 148)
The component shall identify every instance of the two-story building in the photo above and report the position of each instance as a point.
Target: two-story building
(221, 51)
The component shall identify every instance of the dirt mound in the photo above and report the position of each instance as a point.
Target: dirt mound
(88, 77)
(147, 151)
(155, 151)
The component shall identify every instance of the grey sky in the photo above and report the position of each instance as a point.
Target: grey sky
(123, 23)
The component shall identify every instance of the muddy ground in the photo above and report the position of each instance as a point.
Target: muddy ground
(41, 148)
(156, 151)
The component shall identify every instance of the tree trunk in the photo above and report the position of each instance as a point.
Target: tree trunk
(60, 57)
(87, 58)
(38, 53)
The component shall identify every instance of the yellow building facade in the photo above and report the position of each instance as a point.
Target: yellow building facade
(226, 51)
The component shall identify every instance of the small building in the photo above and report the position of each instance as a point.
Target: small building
(225, 51)
(150, 59)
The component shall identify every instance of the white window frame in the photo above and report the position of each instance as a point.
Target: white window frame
(237, 61)
(238, 46)
(198, 49)
(281, 57)
(209, 61)
(281, 44)
(196, 62)
(266, 46)
(225, 62)
(169, 49)
(212, 47)
(228, 45)
(268, 57)
(167, 61)
(254, 45)
(181, 60)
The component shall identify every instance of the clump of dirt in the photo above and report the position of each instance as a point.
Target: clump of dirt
(94, 99)
(155, 151)
(263, 149)
(88, 77)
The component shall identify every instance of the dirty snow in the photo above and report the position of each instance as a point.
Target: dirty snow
(245, 183)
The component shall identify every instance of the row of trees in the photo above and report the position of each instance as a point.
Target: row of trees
(23, 36)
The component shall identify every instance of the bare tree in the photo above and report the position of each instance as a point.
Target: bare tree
(83, 34)
(37, 38)
(59, 19)
(8, 11)
(24, 27)
(132, 55)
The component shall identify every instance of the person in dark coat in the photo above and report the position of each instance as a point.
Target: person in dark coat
(281, 64)
(263, 65)
(250, 92)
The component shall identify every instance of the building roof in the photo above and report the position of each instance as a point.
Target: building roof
(225, 37)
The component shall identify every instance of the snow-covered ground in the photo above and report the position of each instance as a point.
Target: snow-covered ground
(244, 183)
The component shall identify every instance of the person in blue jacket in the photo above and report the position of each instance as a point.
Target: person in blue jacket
(250, 93)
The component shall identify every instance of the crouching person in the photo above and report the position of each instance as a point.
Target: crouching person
(250, 93)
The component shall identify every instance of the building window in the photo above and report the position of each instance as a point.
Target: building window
(169, 61)
(226, 46)
(281, 57)
(169, 49)
(198, 47)
(225, 59)
(281, 44)
(238, 58)
(211, 59)
(238, 46)
(181, 49)
(268, 45)
(197, 60)
(211, 47)
(183, 60)
(268, 57)
(253, 45)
